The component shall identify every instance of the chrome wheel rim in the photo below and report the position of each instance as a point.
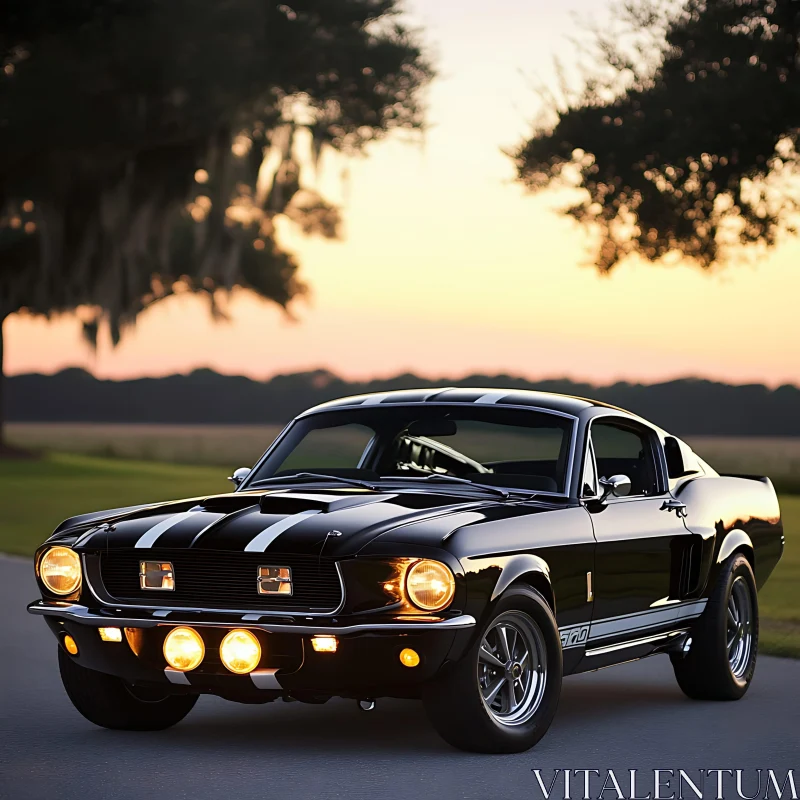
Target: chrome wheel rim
(739, 629)
(512, 668)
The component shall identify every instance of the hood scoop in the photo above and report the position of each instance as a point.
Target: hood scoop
(296, 503)
(227, 503)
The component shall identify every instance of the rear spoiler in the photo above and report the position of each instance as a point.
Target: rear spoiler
(760, 478)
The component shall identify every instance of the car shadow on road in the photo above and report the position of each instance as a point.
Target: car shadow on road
(395, 726)
(583, 698)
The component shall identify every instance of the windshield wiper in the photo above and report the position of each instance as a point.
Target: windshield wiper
(455, 479)
(304, 477)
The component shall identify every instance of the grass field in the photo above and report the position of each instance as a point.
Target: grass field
(232, 446)
(225, 446)
(36, 495)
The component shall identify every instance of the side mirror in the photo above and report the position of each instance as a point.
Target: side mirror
(618, 485)
(237, 479)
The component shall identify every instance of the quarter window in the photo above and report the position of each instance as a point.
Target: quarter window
(589, 488)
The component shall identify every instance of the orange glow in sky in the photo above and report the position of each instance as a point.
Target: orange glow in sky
(447, 267)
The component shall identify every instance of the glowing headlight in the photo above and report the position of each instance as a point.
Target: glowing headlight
(430, 585)
(60, 570)
(240, 651)
(184, 649)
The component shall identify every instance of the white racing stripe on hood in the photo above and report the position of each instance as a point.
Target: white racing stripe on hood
(264, 539)
(148, 539)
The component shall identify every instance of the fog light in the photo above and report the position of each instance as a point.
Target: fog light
(110, 634)
(240, 651)
(409, 657)
(324, 644)
(70, 646)
(184, 649)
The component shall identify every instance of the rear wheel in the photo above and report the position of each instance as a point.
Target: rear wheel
(502, 695)
(109, 702)
(722, 657)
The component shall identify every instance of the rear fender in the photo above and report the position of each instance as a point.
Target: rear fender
(735, 540)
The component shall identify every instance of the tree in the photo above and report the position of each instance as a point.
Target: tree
(683, 138)
(147, 148)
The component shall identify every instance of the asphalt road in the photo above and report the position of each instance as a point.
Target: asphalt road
(629, 717)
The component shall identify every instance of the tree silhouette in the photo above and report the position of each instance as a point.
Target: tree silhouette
(683, 138)
(146, 147)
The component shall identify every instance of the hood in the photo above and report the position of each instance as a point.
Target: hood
(335, 523)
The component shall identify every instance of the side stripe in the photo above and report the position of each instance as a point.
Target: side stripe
(651, 619)
(264, 539)
(148, 539)
(579, 634)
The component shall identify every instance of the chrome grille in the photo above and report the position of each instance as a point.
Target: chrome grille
(222, 579)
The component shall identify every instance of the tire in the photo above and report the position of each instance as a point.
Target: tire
(460, 705)
(713, 670)
(107, 701)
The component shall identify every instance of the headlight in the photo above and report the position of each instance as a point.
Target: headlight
(430, 585)
(60, 570)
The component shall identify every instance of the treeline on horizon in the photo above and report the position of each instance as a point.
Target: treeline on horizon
(684, 407)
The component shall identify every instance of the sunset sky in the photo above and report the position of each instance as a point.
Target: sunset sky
(447, 267)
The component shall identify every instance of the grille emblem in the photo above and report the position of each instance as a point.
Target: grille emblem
(158, 575)
(275, 580)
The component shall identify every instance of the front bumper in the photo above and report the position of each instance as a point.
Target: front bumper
(366, 662)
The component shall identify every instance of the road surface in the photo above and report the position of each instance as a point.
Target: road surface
(629, 717)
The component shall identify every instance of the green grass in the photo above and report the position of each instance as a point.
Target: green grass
(779, 600)
(36, 495)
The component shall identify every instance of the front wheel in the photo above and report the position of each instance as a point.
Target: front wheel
(722, 656)
(502, 695)
(109, 702)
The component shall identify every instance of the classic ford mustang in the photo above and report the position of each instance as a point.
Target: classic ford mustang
(465, 547)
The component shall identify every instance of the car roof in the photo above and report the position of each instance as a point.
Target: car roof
(549, 401)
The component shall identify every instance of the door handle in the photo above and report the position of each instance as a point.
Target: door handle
(674, 505)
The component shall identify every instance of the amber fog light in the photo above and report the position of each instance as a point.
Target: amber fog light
(60, 570)
(430, 585)
(70, 646)
(240, 651)
(409, 657)
(184, 649)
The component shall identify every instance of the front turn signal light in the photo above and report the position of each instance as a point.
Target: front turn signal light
(60, 570)
(110, 634)
(324, 644)
(184, 649)
(240, 651)
(430, 585)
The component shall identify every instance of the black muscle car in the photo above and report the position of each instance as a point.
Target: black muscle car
(465, 547)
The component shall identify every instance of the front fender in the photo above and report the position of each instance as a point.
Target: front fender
(519, 566)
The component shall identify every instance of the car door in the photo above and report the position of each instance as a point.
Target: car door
(639, 537)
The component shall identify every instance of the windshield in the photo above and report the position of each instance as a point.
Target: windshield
(487, 445)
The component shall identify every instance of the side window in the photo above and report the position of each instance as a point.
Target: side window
(625, 451)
